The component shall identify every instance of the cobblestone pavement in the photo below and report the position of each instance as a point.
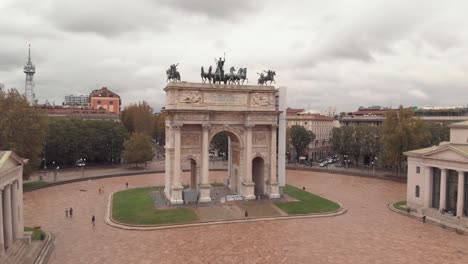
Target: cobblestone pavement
(368, 233)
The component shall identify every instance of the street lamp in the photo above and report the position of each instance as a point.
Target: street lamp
(373, 166)
(346, 160)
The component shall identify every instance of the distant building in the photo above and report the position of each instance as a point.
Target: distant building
(375, 115)
(105, 99)
(80, 112)
(77, 100)
(438, 178)
(319, 124)
(2, 87)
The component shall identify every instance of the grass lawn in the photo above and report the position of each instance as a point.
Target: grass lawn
(29, 185)
(400, 206)
(308, 202)
(135, 206)
(36, 233)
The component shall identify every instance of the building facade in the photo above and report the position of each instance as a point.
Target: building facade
(77, 100)
(105, 99)
(320, 125)
(438, 178)
(11, 200)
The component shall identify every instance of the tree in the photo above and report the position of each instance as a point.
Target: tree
(439, 132)
(22, 128)
(159, 128)
(220, 142)
(97, 141)
(138, 148)
(138, 118)
(300, 138)
(401, 132)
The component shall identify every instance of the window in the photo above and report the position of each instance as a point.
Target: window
(418, 169)
(417, 191)
(111, 102)
(98, 102)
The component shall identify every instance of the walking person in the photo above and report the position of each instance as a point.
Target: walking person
(102, 189)
(126, 185)
(424, 219)
(66, 212)
(93, 220)
(71, 212)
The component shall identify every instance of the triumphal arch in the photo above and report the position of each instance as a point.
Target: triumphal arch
(246, 113)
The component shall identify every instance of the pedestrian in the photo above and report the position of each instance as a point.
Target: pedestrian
(303, 188)
(66, 212)
(424, 219)
(246, 214)
(102, 189)
(93, 220)
(99, 190)
(71, 212)
(126, 185)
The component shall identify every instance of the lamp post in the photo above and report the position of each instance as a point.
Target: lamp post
(346, 160)
(373, 166)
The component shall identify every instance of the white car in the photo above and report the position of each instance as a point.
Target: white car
(323, 164)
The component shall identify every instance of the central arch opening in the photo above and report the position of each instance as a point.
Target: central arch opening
(258, 176)
(225, 151)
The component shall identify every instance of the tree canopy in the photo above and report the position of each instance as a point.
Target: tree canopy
(23, 128)
(137, 149)
(138, 118)
(300, 138)
(94, 140)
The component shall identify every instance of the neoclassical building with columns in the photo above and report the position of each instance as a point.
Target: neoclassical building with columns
(11, 200)
(438, 178)
(245, 113)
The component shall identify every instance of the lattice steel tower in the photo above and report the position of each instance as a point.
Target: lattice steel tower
(30, 69)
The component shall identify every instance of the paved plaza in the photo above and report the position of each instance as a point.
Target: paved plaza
(368, 233)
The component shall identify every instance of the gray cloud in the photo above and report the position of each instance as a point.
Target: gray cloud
(217, 9)
(328, 53)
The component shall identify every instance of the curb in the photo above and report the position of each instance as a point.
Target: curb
(52, 184)
(111, 222)
(347, 173)
(430, 220)
(46, 249)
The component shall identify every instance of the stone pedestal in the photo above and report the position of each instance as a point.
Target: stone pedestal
(176, 195)
(272, 190)
(205, 190)
(248, 190)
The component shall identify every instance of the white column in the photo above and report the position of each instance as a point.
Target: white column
(176, 183)
(248, 155)
(273, 154)
(205, 186)
(7, 217)
(177, 165)
(2, 235)
(205, 155)
(461, 192)
(443, 190)
(427, 187)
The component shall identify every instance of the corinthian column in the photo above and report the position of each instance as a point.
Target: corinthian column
(176, 186)
(205, 186)
(272, 184)
(248, 185)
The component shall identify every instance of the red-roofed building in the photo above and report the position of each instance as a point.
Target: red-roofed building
(105, 99)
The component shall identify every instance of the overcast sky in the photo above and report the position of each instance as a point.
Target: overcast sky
(328, 53)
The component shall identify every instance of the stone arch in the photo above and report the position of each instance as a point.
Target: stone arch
(229, 130)
(258, 175)
(194, 170)
(258, 155)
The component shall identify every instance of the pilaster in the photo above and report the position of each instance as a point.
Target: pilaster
(7, 224)
(427, 186)
(2, 235)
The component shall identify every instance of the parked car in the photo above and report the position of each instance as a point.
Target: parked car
(323, 164)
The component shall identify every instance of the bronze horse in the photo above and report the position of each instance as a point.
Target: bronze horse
(270, 77)
(206, 76)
